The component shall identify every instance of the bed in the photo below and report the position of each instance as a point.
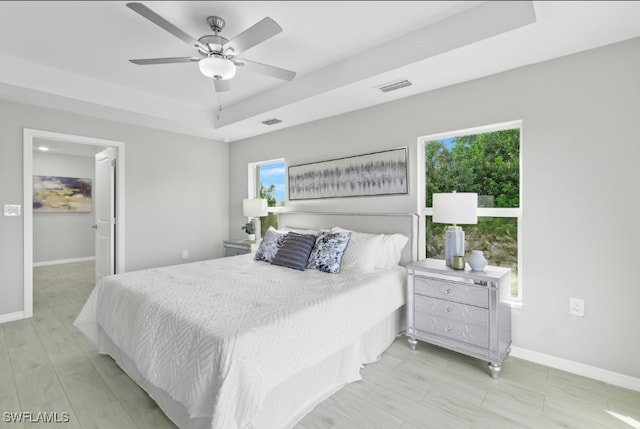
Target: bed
(240, 343)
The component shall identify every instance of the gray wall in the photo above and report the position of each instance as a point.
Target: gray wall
(60, 236)
(580, 149)
(176, 192)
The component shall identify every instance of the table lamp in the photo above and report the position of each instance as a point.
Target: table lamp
(253, 208)
(455, 208)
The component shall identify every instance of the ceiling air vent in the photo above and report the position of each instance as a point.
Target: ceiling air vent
(392, 86)
(271, 121)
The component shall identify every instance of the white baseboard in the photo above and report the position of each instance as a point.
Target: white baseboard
(11, 317)
(578, 368)
(64, 261)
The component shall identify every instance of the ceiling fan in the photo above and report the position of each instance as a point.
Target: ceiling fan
(217, 55)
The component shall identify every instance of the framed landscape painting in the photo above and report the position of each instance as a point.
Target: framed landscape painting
(379, 173)
(61, 194)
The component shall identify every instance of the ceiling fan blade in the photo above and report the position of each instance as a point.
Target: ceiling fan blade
(165, 25)
(258, 33)
(268, 70)
(151, 61)
(222, 85)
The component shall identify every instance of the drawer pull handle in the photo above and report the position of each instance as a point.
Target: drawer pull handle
(449, 310)
(448, 291)
(448, 328)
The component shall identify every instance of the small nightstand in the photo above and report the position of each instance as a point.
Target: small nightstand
(239, 247)
(461, 310)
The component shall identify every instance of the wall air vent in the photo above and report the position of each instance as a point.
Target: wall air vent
(392, 86)
(271, 121)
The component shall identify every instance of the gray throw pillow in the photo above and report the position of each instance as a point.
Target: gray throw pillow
(294, 251)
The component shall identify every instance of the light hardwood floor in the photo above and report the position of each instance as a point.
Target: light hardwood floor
(47, 365)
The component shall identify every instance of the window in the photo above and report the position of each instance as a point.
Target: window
(267, 180)
(486, 161)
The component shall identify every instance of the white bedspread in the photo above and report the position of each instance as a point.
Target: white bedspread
(218, 335)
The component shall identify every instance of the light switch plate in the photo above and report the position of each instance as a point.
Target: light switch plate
(12, 210)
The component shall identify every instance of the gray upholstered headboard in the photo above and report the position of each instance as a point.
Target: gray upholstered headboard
(375, 223)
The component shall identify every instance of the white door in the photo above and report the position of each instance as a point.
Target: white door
(104, 198)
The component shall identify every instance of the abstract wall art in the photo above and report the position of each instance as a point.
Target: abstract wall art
(61, 194)
(379, 173)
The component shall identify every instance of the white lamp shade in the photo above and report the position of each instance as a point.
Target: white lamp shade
(455, 208)
(254, 207)
(217, 68)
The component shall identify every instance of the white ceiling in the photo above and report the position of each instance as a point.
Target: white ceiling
(60, 147)
(73, 55)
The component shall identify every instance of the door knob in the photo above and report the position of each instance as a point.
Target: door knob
(94, 226)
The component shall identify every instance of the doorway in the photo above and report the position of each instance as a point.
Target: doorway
(30, 136)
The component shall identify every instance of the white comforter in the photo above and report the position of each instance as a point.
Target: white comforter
(218, 335)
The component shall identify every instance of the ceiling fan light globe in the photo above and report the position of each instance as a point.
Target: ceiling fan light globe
(217, 68)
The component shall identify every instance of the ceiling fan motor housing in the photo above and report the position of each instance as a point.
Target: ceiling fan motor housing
(214, 43)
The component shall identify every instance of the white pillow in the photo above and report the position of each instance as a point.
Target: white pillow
(392, 245)
(360, 254)
(388, 250)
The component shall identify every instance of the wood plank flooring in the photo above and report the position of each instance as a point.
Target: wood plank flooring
(47, 365)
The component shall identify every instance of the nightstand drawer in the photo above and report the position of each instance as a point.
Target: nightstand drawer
(469, 333)
(453, 291)
(233, 251)
(451, 310)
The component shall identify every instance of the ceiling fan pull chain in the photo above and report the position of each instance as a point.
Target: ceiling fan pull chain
(219, 104)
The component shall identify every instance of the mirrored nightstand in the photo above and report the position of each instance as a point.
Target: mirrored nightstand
(462, 310)
(239, 247)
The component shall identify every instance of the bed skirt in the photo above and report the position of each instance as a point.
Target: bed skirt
(289, 402)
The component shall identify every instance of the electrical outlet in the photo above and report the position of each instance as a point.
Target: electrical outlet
(576, 307)
(185, 254)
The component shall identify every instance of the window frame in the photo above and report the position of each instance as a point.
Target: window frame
(424, 211)
(253, 177)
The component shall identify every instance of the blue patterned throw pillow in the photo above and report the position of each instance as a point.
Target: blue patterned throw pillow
(327, 252)
(295, 251)
(269, 247)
